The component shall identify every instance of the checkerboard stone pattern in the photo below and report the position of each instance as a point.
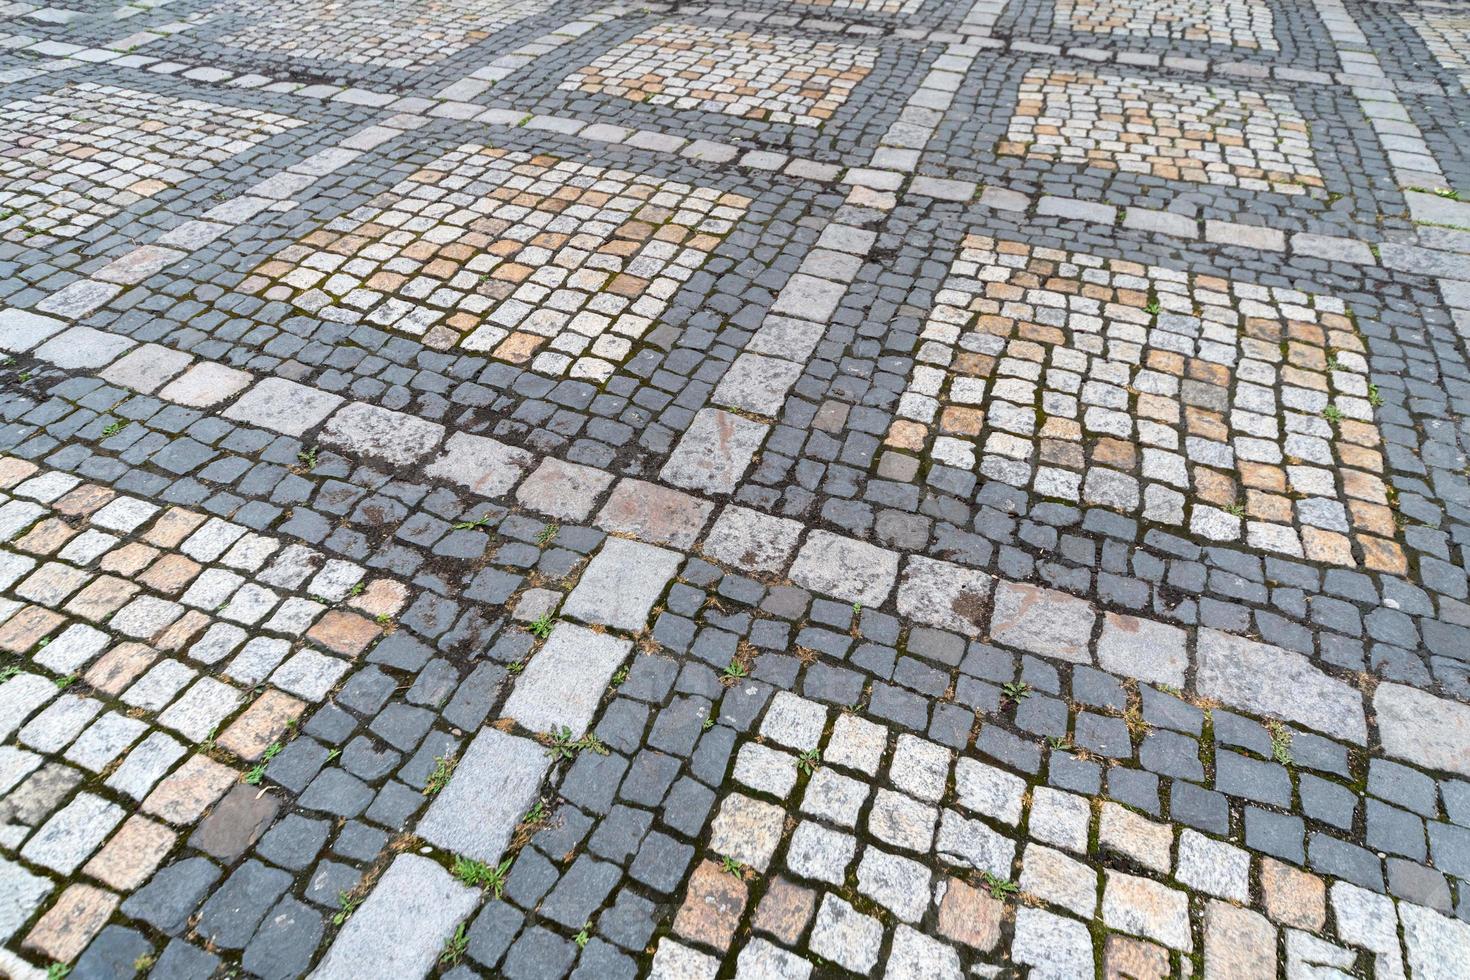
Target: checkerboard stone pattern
(770, 77)
(529, 259)
(1241, 23)
(1207, 134)
(80, 154)
(405, 36)
(1446, 33)
(1237, 411)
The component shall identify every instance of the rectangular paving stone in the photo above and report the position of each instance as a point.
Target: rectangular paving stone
(1043, 621)
(283, 406)
(714, 452)
(370, 430)
(846, 568)
(621, 584)
(73, 833)
(493, 786)
(1425, 730)
(565, 680)
(654, 513)
(481, 464)
(1264, 679)
(400, 930)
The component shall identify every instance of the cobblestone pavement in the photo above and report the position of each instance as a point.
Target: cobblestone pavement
(903, 488)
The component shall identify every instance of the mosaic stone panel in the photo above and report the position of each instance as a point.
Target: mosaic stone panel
(80, 154)
(769, 77)
(867, 6)
(406, 36)
(1205, 134)
(1239, 411)
(1447, 35)
(1241, 23)
(529, 259)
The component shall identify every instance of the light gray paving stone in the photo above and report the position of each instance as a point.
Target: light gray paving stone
(915, 956)
(1368, 919)
(944, 594)
(1144, 907)
(763, 960)
(989, 791)
(21, 696)
(567, 491)
(1422, 729)
(675, 961)
(21, 893)
(73, 833)
(1249, 236)
(492, 787)
(765, 770)
(82, 348)
(1143, 649)
(789, 337)
(77, 645)
(747, 830)
(1054, 946)
(1060, 818)
(1437, 946)
(972, 843)
(15, 765)
(1213, 866)
(141, 263)
(846, 936)
(79, 299)
(1264, 679)
(897, 883)
(757, 383)
(206, 384)
(856, 743)
(621, 584)
(834, 797)
(794, 721)
(200, 709)
(714, 452)
(400, 930)
(22, 330)
(145, 765)
(486, 466)
(565, 680)
(371, 430)
(1058, 879)
(901, 821)
(106, 739)
(61, 721)
(752, 541)
(1042, 621)
(283, 406)
(920, 767)
(820, 853)
(845, 568)
(309, 674)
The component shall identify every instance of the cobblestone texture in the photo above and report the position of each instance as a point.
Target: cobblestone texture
(883, 487)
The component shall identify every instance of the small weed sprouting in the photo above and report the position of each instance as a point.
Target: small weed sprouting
(384, 620)
(515, 668)
(455, 947)
(358, 588)
(114, 427)
(620, 676)
(536, 814)
(1332, 364)
(1236, 509)
(346, 905)
(1016, 690)
(7, 672)
(857, 608)
(56, 971)
(333, 754)
(208, 742)
(809, 761)
(1280, 742)
(474, 525)
(307, 458)
(708, 724)
(997, 886)
(736, 670)
(582, 938)
(733, 867)
(1332, 414)
(1153, 308)
(1449, 193)
(439, 778)
(62, 683)
(478, 874)
(545, 536)
(143, 962)
(563, 746)
(255, 775)
(1374, 397)
(541, 626)
(272, 750)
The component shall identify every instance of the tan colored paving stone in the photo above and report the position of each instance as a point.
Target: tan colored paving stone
(1239, 944)
(1144, 907)
(182, 631)
(262, 723)
(27, 628)
(68, 926)
(130, 559)
(171, 574)
(343, 632)
(1136, 837)
(172, 527)
(119, 667)
(46, 537)
(784, 910)
(84, 500)
(970, 916)
(130, 857)
(1126, 958)
(13, 471)
(190, 790)
(382, 597)
(1293, 897)
(713, 906)
(655, 514)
